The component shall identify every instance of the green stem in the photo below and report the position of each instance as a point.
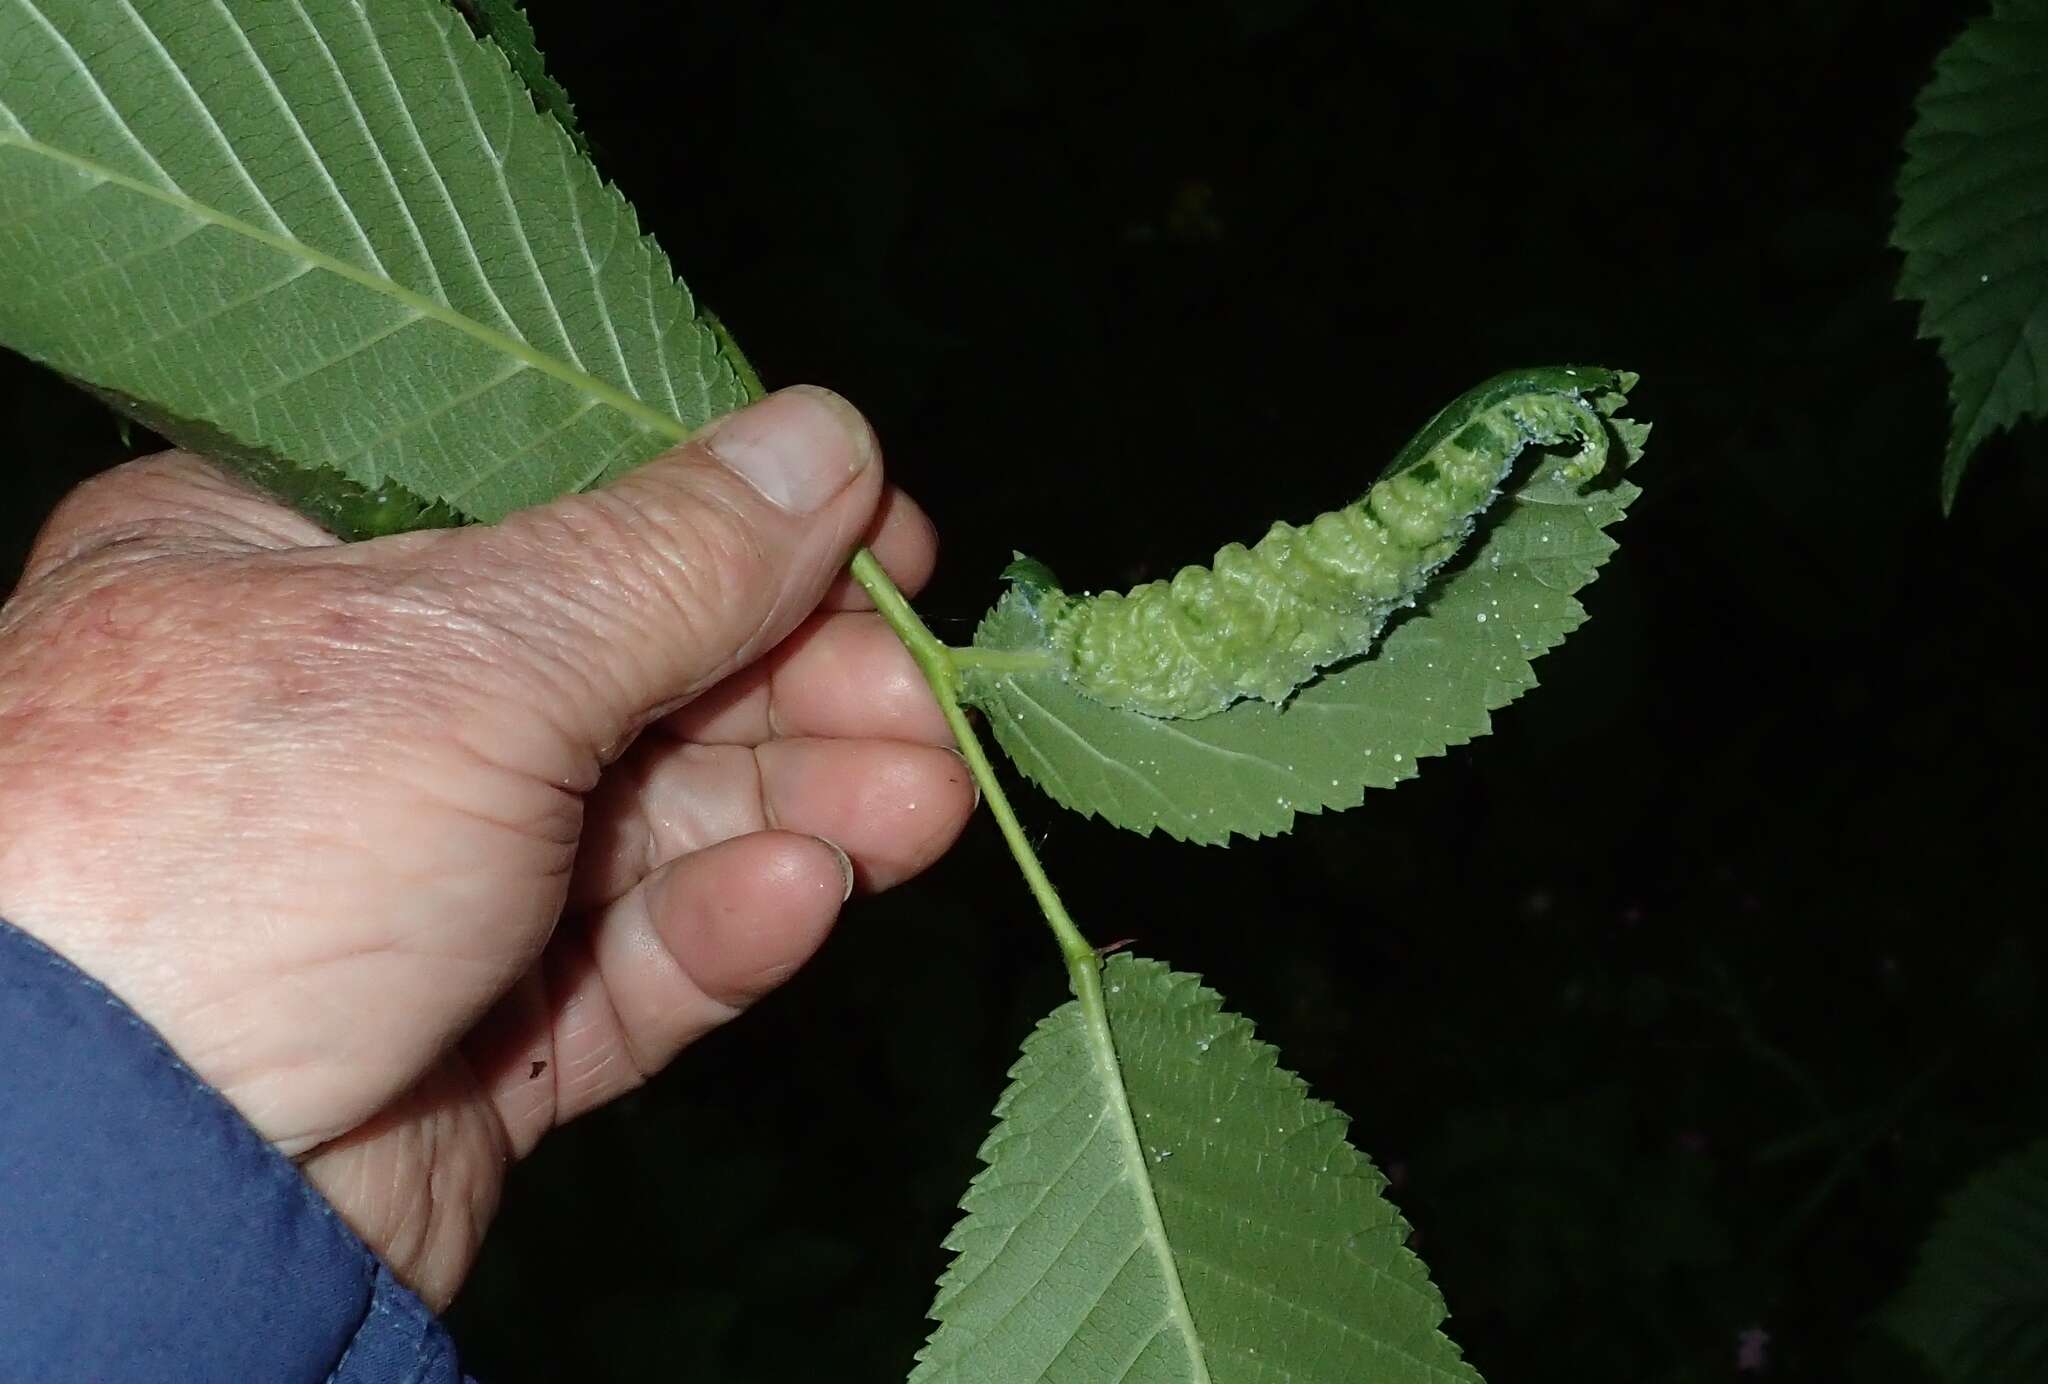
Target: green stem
(941, 668)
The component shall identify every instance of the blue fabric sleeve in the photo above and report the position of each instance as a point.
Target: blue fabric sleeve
(148, 1233)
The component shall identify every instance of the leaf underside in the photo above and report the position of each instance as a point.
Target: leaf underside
(1224, 1231)
(335, 236)
(1977, 1305)
(1430, 684)
(1973, 223)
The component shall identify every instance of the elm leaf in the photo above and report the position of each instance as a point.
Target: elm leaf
(1973, 223)
(1164, 1204)
(332, 241)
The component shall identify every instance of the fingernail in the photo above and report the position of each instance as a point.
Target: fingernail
(799, 446)
(845, 868)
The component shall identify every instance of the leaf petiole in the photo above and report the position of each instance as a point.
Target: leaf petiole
(1000, 660)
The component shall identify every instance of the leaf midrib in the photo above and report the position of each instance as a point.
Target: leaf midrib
(1109, 1068)
(582, 380)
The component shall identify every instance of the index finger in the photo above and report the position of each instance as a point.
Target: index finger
(841, 676)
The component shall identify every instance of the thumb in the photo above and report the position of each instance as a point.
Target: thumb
(628, 601)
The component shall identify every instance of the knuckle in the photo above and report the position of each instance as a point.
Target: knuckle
(172, 502)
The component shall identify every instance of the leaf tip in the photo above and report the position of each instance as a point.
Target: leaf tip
(1030, 575)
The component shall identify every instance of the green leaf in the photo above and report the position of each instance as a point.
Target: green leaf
(1164, 1204)
(1977, 1305)
(333, 241)
(1430, 684)
(505, 23)
(1973, 221)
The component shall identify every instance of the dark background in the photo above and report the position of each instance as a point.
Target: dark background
(1676, 1006)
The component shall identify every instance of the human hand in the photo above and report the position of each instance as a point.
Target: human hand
(314, 810)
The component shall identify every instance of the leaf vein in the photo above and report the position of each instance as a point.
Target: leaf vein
(439, 410)
(533, 445)
(1317, 1314)
(234, 159)
(1056, 723)
(242, 401)
(649, 417)
(519, 236)
(375, 146)
(39, 210)
(604, 316)
(649, 277)
(99, 94)
(192, 324)
(374, 46)
(1059, 1255)
(313, 157)
(92, 271)
(1045, 1190)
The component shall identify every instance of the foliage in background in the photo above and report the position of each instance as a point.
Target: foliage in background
(1977, 1305)
(1973, 221)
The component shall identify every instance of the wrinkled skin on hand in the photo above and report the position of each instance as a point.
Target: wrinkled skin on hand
(419, 847)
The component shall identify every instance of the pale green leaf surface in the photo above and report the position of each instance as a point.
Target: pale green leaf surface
(1430, 684)
(335, 234)
(1977, 1305)
(1201, 1219)
(1973, 222)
